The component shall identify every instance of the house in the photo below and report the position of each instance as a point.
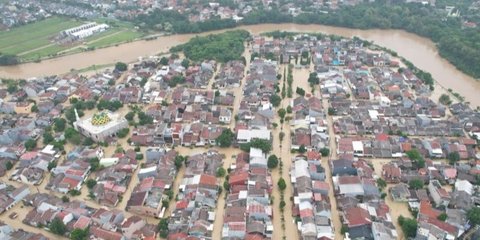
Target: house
(246, 135)
(225, 115)
(349, 185)
(342, 167)
(381, 231)
(131, 225)
(400, 192)
(391, 173)
(439, 195)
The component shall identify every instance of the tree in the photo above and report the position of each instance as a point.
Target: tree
(91, 183)
(30, 144)
(88, 141)
(79, 234)
(300, 91)
(59, 124)
(281, 113)
(226, 185)
(94, 164)
(289, 109)
(275, 100)
(282, 204)
(47, 138)
(65, 199)
(313, 78)
(264, 145)
(331, 111)
(445, 99)
(282, 185)
(8, 59)
(453, 157)
(344, 229)
(325, 152)
(144, 119)
(272, 161)
(225, 139)
(74, 192)
(409, 226)
(179, 160)
(381, 183)
(302, 149)
(163, 227)
(57, 227)
(129, 116)
(185, 63)
(473, 216)
(8, 165)
(120, 66)
(51, 165)
(416, 157)
(34, 108)
(416, 183)
(123, 132)
(221, 172)
(164, 61)
(442, 217)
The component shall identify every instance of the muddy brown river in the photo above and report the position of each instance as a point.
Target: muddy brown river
(420, 51)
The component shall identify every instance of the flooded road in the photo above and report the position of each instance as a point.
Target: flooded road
(420, 51)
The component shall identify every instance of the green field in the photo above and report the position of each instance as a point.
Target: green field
(33, 41)
(118, 37)
(33, 36)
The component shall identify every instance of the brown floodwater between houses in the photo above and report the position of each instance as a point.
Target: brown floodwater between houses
(420, 51)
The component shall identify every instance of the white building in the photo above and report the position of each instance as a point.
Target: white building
(246, 135)
(101, 125)
(85, 30)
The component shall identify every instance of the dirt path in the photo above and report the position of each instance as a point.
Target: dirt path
(36, 49)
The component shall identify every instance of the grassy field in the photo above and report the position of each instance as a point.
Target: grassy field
(118, 37)
(33, 36)
(32, 42)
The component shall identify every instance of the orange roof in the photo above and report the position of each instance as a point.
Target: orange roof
(208, 180)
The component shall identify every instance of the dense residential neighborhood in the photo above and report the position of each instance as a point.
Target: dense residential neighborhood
(303, 136)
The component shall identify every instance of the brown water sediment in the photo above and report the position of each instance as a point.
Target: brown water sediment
(420, 51)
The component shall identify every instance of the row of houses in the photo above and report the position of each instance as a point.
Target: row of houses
(155, 178)
(102, 223)
(363, 211)
(248, 212)
(311, 207)
(194, 211)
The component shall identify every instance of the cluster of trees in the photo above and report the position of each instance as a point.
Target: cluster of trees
(222, 47)
(110, 105)
(416, 158)
(175, 22)
(264, 145)
(409, 226)
(143, 118)
(120, 66)
(225, 139)
(8, 59)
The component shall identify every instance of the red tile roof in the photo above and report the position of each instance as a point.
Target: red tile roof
(357, 216)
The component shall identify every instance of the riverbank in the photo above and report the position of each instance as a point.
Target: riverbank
(418, 50)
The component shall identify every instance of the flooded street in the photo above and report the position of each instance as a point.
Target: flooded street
(396, 208)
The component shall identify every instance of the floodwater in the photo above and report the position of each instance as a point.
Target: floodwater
(420, 51)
